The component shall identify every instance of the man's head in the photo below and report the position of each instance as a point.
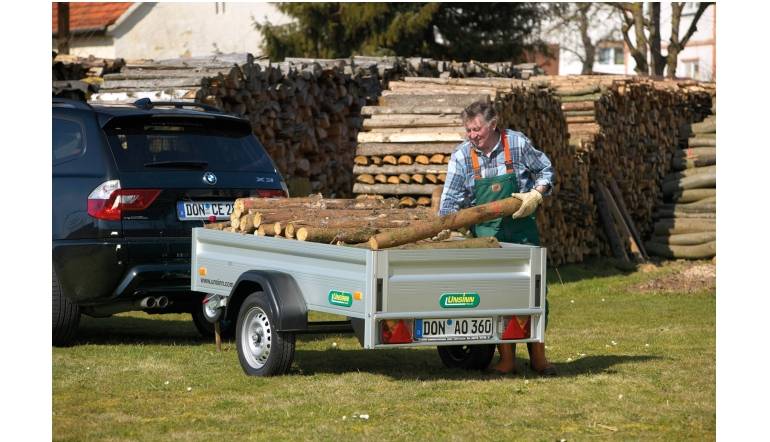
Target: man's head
(480, 121)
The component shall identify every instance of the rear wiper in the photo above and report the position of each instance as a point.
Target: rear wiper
(178, 164)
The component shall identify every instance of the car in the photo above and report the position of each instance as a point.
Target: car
(129, 183)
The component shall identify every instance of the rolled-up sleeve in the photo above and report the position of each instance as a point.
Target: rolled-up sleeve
(538, 165)
(453, 196)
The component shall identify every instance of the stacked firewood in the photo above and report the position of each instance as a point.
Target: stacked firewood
(685, 224)
(78, 78)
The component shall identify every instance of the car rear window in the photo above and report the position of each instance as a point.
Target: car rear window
(141, 144)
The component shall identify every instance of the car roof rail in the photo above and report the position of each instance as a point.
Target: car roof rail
(74, 104)
(146, 103)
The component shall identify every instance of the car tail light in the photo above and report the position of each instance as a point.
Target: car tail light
(270, 193)
(397, 331)
(108, 201)
(516, 327)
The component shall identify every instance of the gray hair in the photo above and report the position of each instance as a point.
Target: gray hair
(484, 108)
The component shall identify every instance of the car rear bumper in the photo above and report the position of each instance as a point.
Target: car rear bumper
(96, 272)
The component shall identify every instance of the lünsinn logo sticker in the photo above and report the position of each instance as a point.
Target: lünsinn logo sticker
(459, 300)
(344, 299)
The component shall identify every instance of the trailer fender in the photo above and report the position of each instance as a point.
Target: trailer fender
(282, 291)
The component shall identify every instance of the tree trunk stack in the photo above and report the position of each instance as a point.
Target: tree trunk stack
(685, 221)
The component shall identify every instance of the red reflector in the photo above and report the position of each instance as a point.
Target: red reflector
(269, 193)
(517, 328)
(396, 332)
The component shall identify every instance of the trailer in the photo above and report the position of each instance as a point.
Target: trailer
(462, 301)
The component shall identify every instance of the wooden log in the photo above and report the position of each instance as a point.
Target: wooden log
(610, 229)
(418, 178)
(329, 236)
(415, 109)
(361, 160)
(365, 178)
(706, 126)
(394, 170)
(217, 226)
(410, 137)
(437, 158)
(405, 148)
(405, 178)
(685, 239)
(395, 189)
(484, 242)
(623, 229)
(447, 100)
(617, 195)
(676, 176)
(700, 251)
(411, 120)
(422, 159)
(699, 181)
(702, 141)
(405, 160)
(675, 226)
(424, 201)
(692, 195)
(381, 178)
(408, 201)
(453, 221)
(389, 159)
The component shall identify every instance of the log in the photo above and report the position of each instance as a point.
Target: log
(405, 148)
(702, 141)
(416, 109)
(610, 230)
(405, 160)
(699, 181)
(453, 221)
(365, 178)
(708, 125)
(685, 239)
(700, 251)
(485, 242)
(415, 101)
(411, 137)
(422, 159)
(623, 230)
(617, 195)
(390, 159)
(396, 189)
(675, 226)
(217, 226)
(329, 236)
(692, 195)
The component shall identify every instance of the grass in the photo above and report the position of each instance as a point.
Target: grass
(632, 366)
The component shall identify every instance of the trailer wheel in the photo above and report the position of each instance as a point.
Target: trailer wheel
(262, 350)
(468, 357)
(66, 316)
(204, 319)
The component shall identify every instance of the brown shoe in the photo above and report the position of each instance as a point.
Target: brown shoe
(538, 361)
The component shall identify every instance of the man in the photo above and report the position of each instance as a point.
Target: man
(489, 167)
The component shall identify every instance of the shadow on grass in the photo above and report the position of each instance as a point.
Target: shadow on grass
(426, 365)
(117, 330)
(589, 269)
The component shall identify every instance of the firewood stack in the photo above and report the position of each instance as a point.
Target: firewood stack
(685, 224)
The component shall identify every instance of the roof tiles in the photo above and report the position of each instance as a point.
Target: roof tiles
(90, 16)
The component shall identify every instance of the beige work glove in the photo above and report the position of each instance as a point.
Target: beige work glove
(442, 235)
(529, 202)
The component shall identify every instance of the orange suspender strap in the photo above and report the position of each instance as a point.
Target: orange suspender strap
(508, 160)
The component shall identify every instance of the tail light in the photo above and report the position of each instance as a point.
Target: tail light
(108, 201)
(396, 331)
(272, 193)
(516, 327)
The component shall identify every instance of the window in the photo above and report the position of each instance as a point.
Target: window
(611, 55)
(68, 139)
(691, 68)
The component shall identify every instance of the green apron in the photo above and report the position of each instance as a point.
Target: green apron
(506, 229)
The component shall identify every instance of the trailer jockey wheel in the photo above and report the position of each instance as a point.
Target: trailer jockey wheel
(468, 357)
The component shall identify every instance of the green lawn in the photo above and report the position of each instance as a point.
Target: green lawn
(633, 365)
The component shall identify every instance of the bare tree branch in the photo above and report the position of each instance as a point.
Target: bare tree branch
(694, 23)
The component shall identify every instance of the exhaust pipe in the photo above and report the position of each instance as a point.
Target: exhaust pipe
(148, 302)
(161, 302)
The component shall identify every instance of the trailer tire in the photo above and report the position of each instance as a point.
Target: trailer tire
(262, 350)
(65, 315)
(467, 357)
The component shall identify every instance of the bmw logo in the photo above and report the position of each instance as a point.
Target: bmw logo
(209, 178)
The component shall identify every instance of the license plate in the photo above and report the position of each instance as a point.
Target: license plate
(203, 210)
(453, 329)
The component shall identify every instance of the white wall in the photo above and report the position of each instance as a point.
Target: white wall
(171, 30)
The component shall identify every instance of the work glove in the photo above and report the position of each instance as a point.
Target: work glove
(442, 235)
(529, 202)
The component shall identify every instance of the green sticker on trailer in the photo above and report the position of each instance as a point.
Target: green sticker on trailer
(343, 299)
(459, 300)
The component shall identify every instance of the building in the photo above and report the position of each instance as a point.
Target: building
(165, 30)
(697, 60)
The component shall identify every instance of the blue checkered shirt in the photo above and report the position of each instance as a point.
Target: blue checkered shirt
(531, 166)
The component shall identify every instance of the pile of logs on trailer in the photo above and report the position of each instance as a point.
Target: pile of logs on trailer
(370, 126)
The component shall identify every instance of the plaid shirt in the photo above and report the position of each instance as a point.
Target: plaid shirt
(532, 167)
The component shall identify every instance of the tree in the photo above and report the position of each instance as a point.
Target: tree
(479, 31)
(633, 17)
(569, 20)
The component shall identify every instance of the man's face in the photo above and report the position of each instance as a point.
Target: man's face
(481, 133)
